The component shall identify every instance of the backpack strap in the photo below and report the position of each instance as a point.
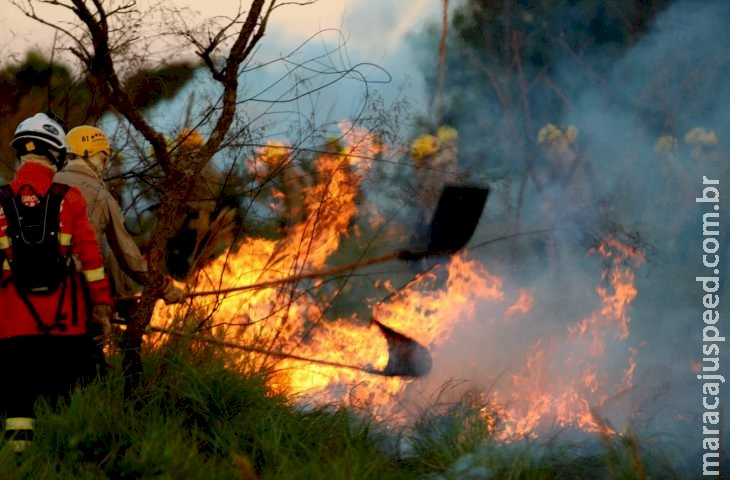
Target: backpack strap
(43, 327)
(59, 189)
(55, 195)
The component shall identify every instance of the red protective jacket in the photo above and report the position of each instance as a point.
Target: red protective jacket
(76, 233)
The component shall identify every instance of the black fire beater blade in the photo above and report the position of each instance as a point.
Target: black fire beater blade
(406, 357)
(456, 218)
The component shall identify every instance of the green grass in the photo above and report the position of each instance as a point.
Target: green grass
(458, 441)
(195, 417)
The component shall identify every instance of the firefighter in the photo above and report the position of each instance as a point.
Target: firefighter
(208, 225)
(568, 202)
(54, 294)
(89, 152)
(436, 165)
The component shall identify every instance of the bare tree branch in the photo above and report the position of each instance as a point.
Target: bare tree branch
(101, 64)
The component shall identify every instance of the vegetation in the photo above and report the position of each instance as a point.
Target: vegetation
(196, 416)
(551, 104)
(38, 83)
(193, 417)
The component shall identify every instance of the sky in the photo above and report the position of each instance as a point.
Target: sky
(375, 26)
(375, 31)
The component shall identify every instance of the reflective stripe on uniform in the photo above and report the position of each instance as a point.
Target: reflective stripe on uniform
(64, 238)
(18, 446)
(19, 423)
(19, 433)
(94, 275)
(4, 242)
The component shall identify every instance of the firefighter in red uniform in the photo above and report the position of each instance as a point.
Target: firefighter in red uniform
(49, 334)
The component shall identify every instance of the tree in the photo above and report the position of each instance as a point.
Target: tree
(516, 68)
(505, 56)
(113, 42)
(103, 41)
(38, 83)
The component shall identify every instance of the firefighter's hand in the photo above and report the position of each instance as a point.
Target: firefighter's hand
(100, 327)
(172, 293)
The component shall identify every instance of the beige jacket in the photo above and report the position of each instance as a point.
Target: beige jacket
(121, 254)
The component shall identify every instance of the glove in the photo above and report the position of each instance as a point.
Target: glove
(101, 328)
(172, 293)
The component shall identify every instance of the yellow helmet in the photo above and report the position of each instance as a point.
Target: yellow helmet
(190, 138)
(701, 136)
(424, 146)
(85, 141)
(445, 133)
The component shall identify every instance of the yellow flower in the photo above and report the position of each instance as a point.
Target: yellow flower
(665, 144)
(701, 136)
(424, 146)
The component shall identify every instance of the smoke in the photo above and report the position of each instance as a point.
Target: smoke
(630, 186)
(627, 185)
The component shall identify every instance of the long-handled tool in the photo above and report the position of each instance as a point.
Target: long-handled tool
(407, 358)
(452, 226)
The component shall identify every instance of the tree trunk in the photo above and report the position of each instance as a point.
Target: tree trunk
(177, 189)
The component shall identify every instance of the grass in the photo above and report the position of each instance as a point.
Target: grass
(195, 417)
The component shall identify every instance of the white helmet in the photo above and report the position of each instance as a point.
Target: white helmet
(42, 135)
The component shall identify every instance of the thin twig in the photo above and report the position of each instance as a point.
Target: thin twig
(399, 255)
(262, 351)
(442, 64)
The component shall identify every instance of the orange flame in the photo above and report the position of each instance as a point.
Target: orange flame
(522, 305)
(563, 379)
(565, 382)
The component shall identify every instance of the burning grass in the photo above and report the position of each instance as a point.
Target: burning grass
(196, 417)
(334, 422)
(560, 376)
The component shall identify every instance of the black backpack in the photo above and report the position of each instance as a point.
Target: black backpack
(37, 266)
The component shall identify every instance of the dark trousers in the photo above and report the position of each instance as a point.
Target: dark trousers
(43, 366)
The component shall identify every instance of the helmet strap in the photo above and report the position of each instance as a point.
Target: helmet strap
(94, 166)
(57, 159)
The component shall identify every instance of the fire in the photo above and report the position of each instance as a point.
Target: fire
(522, 305)
(288, 318)
(563, 380)
(429, 312)
(360, 145)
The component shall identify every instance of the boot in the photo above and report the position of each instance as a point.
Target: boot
(19, 432)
